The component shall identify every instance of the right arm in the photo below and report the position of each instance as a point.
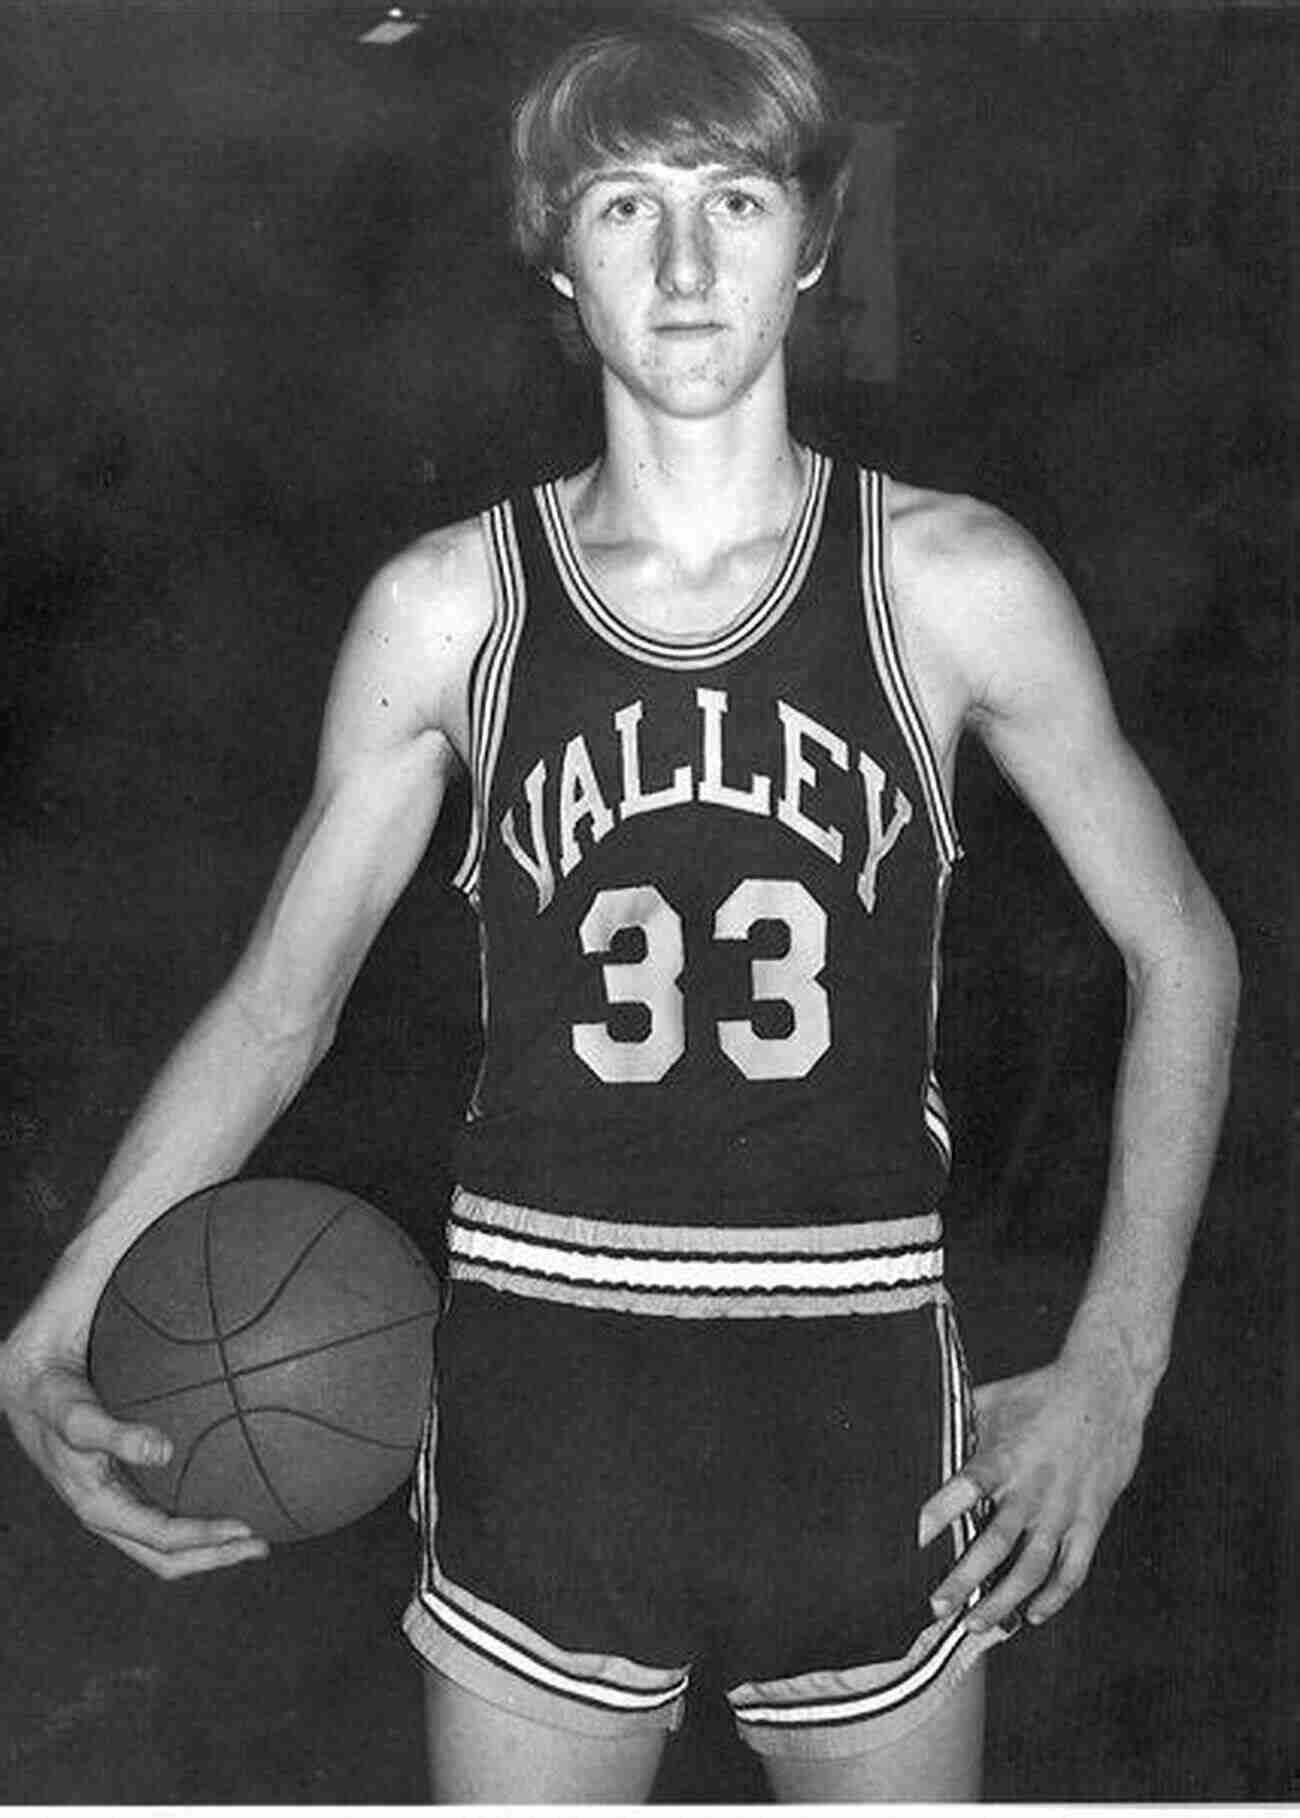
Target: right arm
(394, 722)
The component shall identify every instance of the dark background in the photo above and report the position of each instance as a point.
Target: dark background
(259, 326)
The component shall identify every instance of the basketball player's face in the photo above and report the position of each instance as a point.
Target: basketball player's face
(685, 280)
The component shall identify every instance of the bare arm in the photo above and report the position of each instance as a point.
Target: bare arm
(1058, 1446)
(388, 748)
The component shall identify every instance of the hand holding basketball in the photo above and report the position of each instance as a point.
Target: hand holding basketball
(284, 1398)
(278, 1332)
(77, 1445)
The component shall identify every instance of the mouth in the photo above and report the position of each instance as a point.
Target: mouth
(688, 331)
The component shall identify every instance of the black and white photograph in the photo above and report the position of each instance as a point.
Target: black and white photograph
(648, 830)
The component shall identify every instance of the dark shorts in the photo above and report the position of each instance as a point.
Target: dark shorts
(609, 1498)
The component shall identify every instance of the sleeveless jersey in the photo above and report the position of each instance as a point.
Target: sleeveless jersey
(709, 875)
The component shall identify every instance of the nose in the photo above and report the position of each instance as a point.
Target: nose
(685, 253)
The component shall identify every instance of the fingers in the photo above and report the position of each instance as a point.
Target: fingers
(1019, 1568)
(985, 1556)
(1051, 1460)
(949, 1503)
(169, 1546)
(1045, 1572)
(193, 1558)
(85, 1426)
(63, 1401)
(1032, 1559)
(1072, 1566)
(83, 1444)
(79, 1445)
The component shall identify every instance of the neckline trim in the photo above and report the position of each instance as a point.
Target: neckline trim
(772, 600)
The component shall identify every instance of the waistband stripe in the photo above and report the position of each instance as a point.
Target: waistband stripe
(691, 1268)
(693, 1251)
(733, 1274)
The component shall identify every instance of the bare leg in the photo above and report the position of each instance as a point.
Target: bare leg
(480, 1754)
(939, 1763)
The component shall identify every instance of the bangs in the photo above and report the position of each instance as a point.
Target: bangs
(669, 104)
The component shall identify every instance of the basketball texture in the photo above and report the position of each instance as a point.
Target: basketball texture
(280, 1333)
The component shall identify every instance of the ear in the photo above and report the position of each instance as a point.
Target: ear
(562, 282)
(810, 278)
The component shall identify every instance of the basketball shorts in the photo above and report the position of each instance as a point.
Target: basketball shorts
(655, 1451)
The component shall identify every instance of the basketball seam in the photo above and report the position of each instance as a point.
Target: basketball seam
(275, 1407)
(236, 1417)
(292, 1269)
(180, 1338)
(244, 1371)
(220, 1339)
(154, 1326)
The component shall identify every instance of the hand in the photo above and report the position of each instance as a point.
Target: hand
(76, 1444)
(1056, 1448)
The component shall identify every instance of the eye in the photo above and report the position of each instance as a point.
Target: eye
(740, 204)
(627, 206)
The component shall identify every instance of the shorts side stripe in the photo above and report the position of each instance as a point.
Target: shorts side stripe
(441, 1608)
(960, 1438)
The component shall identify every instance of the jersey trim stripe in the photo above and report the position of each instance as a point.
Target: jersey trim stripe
(934, 1109)
(890, 666)
(696, 1273)
(490, 683)
(733, 641)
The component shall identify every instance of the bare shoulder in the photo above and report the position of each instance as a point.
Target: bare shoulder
(983, 603)
(418, 625)
(434, 598)
(949, 535)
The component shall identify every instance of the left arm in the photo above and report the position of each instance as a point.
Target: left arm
(1057, 1446)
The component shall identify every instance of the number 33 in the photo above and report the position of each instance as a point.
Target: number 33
(652, 981)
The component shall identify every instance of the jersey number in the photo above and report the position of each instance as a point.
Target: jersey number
(651, 981)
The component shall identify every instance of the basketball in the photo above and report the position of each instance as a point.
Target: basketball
(280, 1333)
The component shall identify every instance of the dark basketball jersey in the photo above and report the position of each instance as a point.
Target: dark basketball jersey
(709, 875)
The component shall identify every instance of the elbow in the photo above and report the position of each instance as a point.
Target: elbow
(1218, 959)
(1197, 959)
(1210, 966)
(1228, 972)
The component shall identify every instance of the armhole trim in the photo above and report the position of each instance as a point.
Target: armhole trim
(891, 665)
(490, 682)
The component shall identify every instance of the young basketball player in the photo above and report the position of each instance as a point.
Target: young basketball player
(700, 1391)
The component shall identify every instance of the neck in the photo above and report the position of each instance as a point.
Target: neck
(695, 485)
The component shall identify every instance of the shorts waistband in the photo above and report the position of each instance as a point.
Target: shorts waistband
(703, 1272)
